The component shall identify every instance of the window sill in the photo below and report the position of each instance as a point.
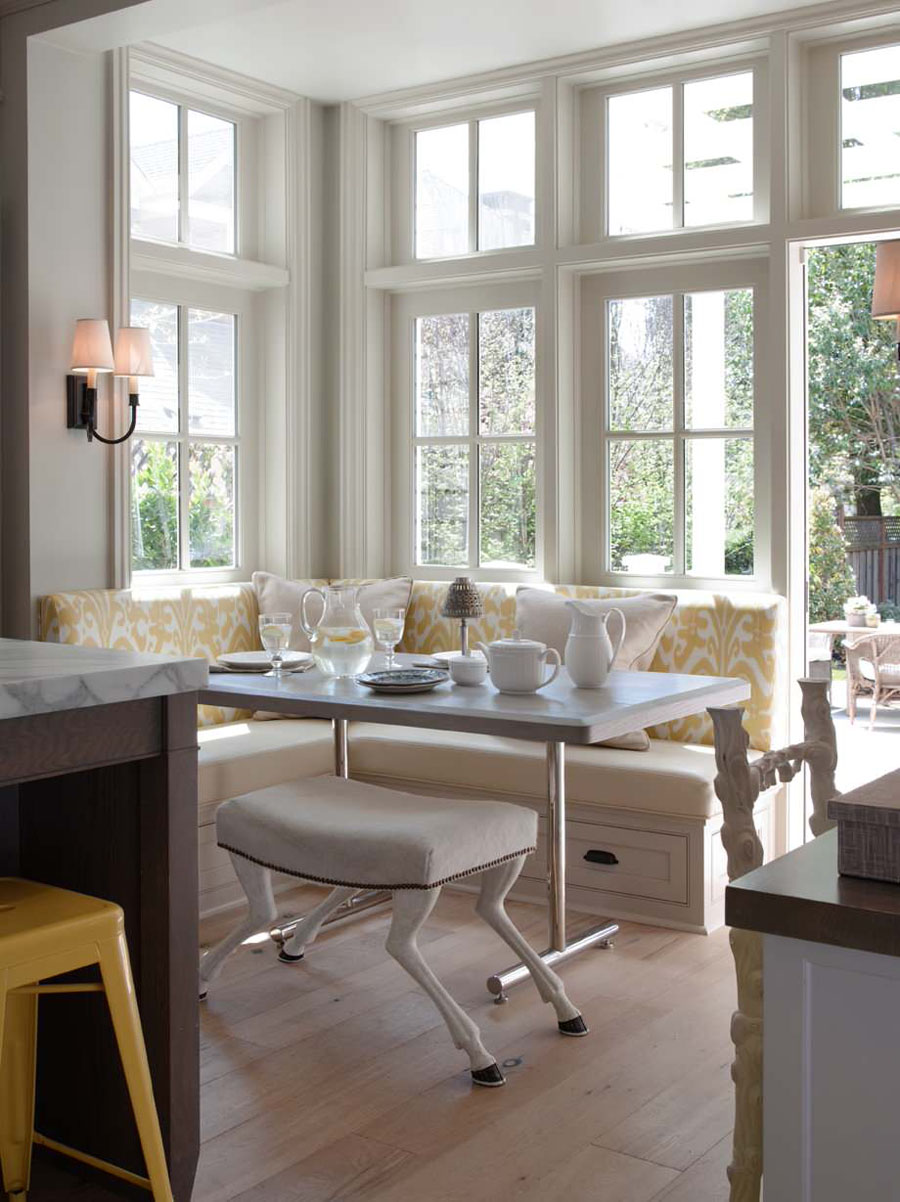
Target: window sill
(165, 259)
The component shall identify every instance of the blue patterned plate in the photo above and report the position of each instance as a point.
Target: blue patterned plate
(403, 680)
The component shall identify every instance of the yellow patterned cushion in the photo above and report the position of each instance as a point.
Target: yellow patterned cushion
(203, 622)
(709, 634)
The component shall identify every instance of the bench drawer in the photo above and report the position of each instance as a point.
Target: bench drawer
(616, 859)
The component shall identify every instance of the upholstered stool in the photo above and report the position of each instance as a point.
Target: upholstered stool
(358, 836)
(44, 932)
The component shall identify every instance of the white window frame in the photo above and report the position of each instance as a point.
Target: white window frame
(597, 290)
(822, 141)
(406, 308)
(593, 147)
(193, 295)
(403, 172)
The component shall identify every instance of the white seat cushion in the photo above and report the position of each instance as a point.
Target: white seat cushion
(345, 832)
(670, 778)
(241, 756)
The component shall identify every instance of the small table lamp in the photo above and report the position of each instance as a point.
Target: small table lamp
(886, 292)
(463, 601)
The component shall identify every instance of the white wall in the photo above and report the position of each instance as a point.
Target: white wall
(69, 195)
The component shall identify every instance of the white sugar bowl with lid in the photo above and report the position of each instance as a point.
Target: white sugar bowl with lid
(518, 665)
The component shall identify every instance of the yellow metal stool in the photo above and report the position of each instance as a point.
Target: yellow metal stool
(45, 931)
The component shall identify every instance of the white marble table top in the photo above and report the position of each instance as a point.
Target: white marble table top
(38, 678)
(628, 701)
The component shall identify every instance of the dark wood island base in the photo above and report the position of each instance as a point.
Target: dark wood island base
(103, 799)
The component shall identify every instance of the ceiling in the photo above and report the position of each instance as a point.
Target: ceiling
(345, 49)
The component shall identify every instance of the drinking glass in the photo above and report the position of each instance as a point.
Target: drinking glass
(387, 626)
(275, 635)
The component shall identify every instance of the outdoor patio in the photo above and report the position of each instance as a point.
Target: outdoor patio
(864, 754)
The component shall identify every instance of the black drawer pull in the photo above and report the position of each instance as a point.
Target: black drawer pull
(594, 856)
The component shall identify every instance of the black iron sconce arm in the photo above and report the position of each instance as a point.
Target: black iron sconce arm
(82, 407)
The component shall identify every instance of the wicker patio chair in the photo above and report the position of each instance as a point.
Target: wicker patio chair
(873, 665)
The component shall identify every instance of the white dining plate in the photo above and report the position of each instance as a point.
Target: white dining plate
(258, 661)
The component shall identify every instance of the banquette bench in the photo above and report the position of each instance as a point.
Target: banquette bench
(654, 812)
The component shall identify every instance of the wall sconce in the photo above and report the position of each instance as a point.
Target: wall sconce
(886, 292)
(92, 354)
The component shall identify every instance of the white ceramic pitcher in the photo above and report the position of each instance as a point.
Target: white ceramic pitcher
(589, 649)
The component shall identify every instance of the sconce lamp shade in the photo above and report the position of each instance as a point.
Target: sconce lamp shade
(886, 292)
(133, 354)
(91, 347)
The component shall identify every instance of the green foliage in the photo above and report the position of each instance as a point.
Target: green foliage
(154, 506)
(854, 404)
(831, 579)
(211, 513)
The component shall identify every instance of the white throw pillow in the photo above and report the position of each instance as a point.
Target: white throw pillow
(544, 616)
(277, 595)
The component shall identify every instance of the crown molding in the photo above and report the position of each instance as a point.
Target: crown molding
(187, 74)
(585, 66)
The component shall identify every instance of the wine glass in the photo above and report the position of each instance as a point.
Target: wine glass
(387, 626)
(275, 635)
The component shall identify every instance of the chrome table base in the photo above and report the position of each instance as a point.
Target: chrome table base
(560, 948)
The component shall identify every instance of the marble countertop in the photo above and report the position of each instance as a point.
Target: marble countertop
(38, 678)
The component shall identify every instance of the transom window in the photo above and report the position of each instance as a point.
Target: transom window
(680, 155)
(474, 439)
(679, 433)
(870, 128)
(184, 455)
(183, 187)
(475, 185)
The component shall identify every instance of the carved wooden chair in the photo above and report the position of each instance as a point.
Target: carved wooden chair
(738, 784)
(873, 665)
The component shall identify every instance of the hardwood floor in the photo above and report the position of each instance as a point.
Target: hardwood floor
(333, 1080)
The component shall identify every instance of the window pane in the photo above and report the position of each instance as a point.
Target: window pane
(506, 371)
(153, 135)
(641, 506)
(211, 373)
(639, 163)
(442, 375)
(506, 181)
(870, 127)
(507, 504)
(210, 182)
(211, 514)
(158, 409)
(154, 505)
(718, 150)
(442, 505)
(718, 476)
(640, 363)
(442, 191)
(718, 359)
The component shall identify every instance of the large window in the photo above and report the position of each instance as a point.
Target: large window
(678, 433)
(185, 453)
(183, 180)
(474, 473)
(475, 186)
(870, 127)
(680, 155)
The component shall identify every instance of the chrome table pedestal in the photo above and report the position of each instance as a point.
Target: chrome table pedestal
(560, 949)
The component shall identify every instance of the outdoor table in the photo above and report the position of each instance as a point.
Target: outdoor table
(557, 715)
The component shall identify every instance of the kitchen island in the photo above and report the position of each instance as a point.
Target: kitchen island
(831, 996)
(98, 793)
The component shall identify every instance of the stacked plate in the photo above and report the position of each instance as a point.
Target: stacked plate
(404, 680)
(258, 661)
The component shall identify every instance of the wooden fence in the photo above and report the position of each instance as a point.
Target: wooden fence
(873, 548)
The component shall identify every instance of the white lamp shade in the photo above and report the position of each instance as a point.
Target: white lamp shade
(91, 346)
(886, 293)
(133, 354)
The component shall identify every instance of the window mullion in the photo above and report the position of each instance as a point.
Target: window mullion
(183, 229)
(473, 186)
(183, 443)
(678, 156)
(679, 533)
(474, 448)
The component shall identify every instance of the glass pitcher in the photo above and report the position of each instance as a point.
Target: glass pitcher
(341, 642)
